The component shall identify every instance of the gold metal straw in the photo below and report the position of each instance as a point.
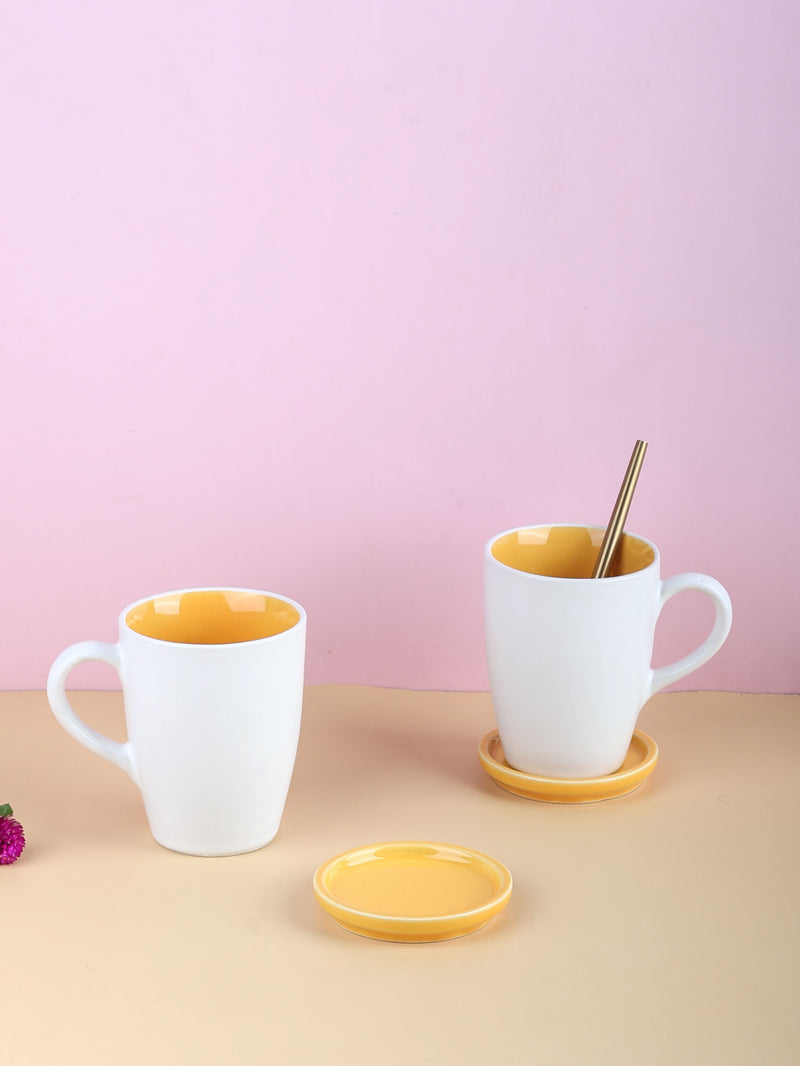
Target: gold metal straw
(605, 557)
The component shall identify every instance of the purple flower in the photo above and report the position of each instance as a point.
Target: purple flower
(12, 839)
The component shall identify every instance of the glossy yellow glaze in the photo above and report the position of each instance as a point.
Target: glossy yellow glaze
(412, 891)
(212, 616)
(639, 763)
(568, 551)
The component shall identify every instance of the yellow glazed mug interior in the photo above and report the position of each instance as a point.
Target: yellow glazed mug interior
(212, 616)
(568, 551)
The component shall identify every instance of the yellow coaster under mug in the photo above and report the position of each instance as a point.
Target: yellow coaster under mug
(412, 891)
(639, 763)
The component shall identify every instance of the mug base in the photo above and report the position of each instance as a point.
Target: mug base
(219, 851)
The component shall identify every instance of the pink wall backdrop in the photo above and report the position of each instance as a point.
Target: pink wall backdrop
(316, 297)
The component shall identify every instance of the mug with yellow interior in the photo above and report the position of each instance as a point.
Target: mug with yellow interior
(212, 682)
(569, 655)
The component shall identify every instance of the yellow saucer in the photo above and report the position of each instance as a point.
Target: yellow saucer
(412, 891)
(639, 763)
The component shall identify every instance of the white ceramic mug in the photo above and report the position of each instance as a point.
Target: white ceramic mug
(212, 682)
(569, 656)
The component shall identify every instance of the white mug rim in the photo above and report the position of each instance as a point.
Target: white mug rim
(284, 633)
(524, 574)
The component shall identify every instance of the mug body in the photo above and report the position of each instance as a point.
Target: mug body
(568, 656)
(212, 683)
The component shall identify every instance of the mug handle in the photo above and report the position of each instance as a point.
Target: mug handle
(120, 755)
(665, 675)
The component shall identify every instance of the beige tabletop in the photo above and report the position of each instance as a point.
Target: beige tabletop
(657, 928)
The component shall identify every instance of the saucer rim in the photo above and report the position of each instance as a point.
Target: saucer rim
(558, 789)
(378, 925)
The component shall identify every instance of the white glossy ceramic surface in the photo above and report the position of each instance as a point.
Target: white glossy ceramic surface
(570, 657)
(212, 727)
